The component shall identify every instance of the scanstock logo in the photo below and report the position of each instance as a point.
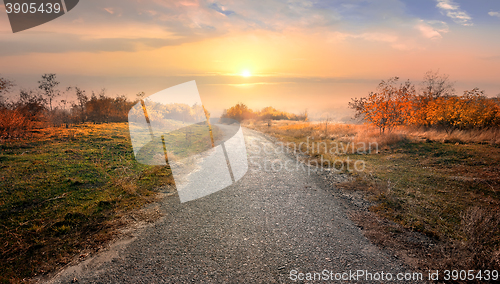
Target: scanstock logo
(173, 128)
(26, 14)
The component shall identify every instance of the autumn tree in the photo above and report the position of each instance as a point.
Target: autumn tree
(471, 110)
(98, 107)
(478, 111)
(270, 113)
(238, 112)
(387, 108)
(433, 86)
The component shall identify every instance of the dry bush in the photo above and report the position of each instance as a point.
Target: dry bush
(58, 118)
(15, 124)
(481, 249)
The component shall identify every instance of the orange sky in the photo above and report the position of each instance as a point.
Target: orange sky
(302, 54)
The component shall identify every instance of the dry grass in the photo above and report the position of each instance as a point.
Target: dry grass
(354, 138)
(423, 253)
(481, 248)
(487, 136)
(366, 133)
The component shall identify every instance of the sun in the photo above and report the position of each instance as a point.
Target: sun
(246, 73)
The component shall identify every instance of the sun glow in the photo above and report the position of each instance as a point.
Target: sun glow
(246, 73)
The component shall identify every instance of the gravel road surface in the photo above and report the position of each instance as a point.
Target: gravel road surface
(266, 228)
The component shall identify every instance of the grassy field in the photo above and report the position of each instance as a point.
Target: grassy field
(64, 190)
(443, 186)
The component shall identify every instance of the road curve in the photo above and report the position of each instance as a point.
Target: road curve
(259, 230)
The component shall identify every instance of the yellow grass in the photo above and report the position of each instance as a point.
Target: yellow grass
(489, 136)
(365, 133)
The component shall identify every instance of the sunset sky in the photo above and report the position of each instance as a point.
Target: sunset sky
(293, 55)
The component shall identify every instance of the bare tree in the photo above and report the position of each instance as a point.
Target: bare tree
(5, 86)
(81, 102)
(48, 85)
(437, 85)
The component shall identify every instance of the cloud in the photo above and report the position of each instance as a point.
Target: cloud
(95, 24)
(220, 9)
(129, 25)
(368, 36)
(453, 11)
(494, 14)
(417, 34)
(428, 31)
(432, 29)
(109, 10)
(381, 37)
(62, 43)
(400, 41)
(447, 5)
